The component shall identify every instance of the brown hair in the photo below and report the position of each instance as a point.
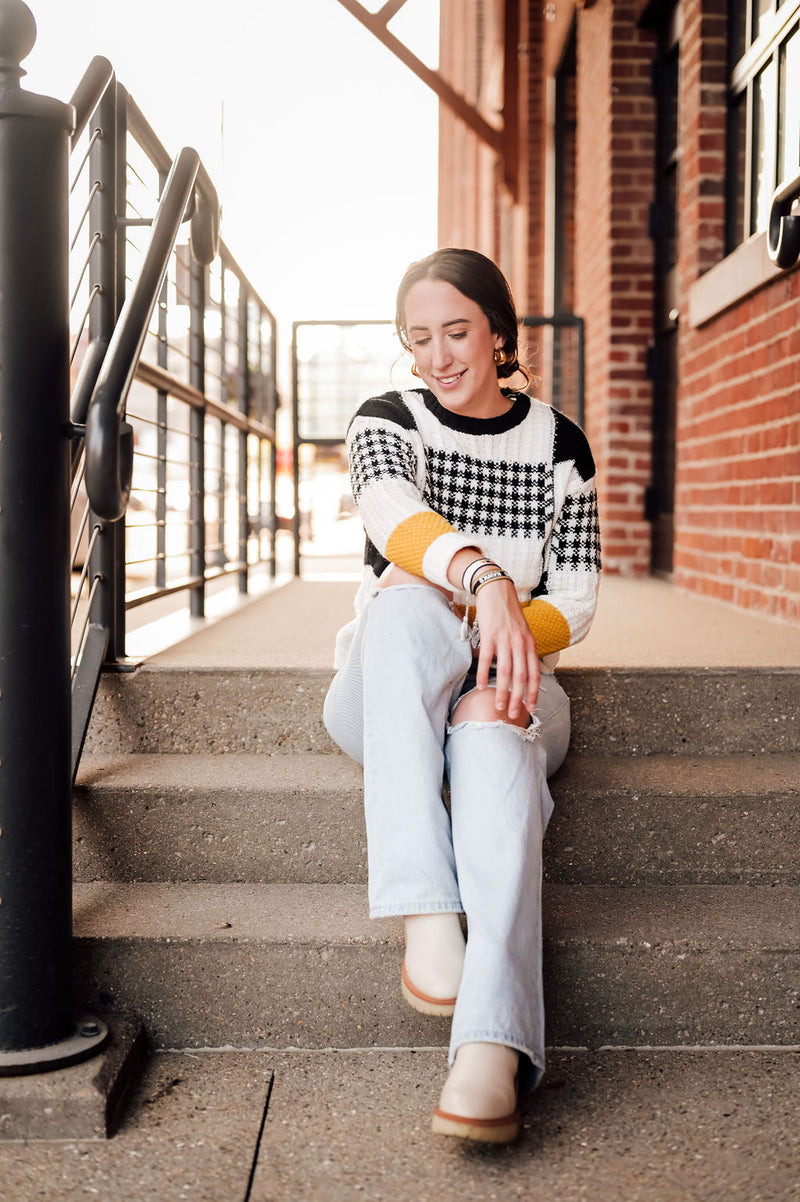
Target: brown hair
(479, 279)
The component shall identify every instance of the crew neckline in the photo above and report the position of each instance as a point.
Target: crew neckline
(479, 425)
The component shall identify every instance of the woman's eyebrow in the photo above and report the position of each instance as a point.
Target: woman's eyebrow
(457, 321)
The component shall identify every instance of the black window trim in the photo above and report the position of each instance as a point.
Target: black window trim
(747, 266)
(763, 48)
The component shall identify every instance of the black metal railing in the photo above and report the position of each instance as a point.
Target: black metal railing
(556, 356)
(783, 230)
(136, 379)
(175, 397)
(338, 364)
(335, 366)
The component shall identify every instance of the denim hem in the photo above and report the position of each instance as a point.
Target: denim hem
(416, 907)
(531, 1065)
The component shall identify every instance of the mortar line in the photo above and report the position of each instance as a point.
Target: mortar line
(606, 1047)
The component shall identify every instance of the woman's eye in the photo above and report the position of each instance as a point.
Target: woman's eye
(420, 342)
(459, 334)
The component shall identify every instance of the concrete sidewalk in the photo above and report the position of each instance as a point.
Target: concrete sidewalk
(612, 1125)
(639, 623)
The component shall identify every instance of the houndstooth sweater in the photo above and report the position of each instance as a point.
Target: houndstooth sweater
(428, 482)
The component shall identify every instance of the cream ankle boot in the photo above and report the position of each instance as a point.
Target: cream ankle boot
(479, 1099)
(433, 963)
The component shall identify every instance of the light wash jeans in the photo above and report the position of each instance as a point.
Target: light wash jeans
(388, 707)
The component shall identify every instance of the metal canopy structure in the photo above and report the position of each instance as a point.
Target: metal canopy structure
(501, 139)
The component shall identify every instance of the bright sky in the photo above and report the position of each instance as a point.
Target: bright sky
(327, 169)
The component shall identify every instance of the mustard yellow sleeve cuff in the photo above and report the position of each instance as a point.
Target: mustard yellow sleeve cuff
(547, 625)
(413, 538)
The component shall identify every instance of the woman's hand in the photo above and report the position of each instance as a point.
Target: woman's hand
(506, 638)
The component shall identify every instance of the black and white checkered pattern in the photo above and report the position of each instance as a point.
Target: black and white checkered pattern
(490, 498)
(379, 454)
(575, 544)
(520, 487)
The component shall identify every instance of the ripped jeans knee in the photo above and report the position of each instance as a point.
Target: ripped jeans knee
(528, 733)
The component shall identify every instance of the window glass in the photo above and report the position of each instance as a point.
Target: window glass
(764, 137)
(789, 116)
(763, 146)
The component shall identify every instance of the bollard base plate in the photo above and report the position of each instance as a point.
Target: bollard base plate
(88, 1037)
(83, 1101)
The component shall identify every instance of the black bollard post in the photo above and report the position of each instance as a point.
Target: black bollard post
(37, 1028)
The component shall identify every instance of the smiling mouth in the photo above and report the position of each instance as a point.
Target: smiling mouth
(450, 379)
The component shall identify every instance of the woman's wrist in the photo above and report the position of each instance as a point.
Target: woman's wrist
(472, 569)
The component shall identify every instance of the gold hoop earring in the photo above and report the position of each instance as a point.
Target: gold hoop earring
(415, 370)
(500, 357)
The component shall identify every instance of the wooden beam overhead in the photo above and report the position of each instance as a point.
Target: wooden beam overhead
(376, 24)
(390, 9)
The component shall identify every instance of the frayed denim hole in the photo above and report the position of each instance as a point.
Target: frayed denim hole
(528, 734)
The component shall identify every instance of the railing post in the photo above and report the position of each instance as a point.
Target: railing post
(108, 558)
(197, 438)
(36, 1023)
(296, 448)
(162, 419)
(244, 401)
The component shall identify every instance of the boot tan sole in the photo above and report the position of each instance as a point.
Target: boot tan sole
(487, 1131)
(439, 1007)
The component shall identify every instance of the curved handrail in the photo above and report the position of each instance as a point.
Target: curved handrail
(203, 207)
(204, 231)
(89, 92)
(109, 438)
(783, 231)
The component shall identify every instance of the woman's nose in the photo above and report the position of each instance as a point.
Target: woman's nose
(442, 353)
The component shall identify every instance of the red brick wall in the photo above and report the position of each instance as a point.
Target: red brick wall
(467, 193)
(738, 533)
(614, 267)
(737, 516)
(475, 209)
(738, 472)
(533, 133)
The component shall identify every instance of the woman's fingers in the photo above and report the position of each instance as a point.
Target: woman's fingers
(506, 639)
(504, 667)
(521, 682)
(534, 674)
(485, 657)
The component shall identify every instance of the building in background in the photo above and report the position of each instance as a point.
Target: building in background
(637, 151)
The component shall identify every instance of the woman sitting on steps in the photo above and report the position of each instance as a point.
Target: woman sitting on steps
(482, 562)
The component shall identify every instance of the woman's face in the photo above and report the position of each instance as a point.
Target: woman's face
(454, 347)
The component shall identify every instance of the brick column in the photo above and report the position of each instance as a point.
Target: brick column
(614, 267)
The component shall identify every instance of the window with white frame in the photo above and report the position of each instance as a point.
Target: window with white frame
(763, 110)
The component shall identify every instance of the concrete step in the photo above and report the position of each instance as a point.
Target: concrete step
(217, 818)
(647, 711)
(611, 1126)
(683, 820)
(303, 966)
(299, 818)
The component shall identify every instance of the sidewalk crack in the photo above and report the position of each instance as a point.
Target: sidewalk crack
(257, 1150)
